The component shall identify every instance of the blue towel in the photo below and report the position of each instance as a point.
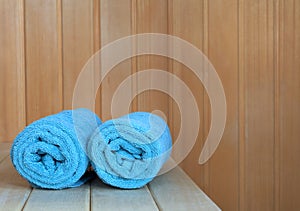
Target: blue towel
(129, 151)
(50, 153)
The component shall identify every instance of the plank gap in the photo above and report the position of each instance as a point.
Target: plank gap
(152, 194)
(27, 199)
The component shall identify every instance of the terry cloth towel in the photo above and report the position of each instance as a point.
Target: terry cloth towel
(129, 151)
(50, 153)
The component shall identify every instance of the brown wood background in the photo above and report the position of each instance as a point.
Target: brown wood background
(253, 44)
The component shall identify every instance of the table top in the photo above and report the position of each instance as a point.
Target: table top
(171, 191)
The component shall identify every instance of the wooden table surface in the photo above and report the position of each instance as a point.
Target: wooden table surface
(171, 191)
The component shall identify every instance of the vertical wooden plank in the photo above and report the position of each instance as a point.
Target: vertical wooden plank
(115, 24)
(171, 103)
(77, 44)
(187, 22)
(259, 98)
(289, 103)
(12, 69)
(143, 62)
(223, 53)
(152, 17)
(43, 58)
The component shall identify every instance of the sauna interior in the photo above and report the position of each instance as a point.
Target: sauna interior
(253, 46)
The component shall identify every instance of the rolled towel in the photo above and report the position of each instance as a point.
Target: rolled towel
(51, 154)
(129, 151)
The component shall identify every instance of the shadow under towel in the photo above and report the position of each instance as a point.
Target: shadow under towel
(129, 151)
(51, 154)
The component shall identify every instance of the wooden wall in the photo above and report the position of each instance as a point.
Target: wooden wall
(253, 44)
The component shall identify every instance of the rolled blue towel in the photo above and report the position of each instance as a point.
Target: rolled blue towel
(51, 154)
(129, 151)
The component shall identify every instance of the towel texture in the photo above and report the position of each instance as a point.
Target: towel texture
(129, 151)
(50, 153)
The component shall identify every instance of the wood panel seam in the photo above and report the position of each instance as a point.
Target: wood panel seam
(21, 63)
(241, 101)
(6, 157)
(97, 47)
(134, 106)
(206, 104)
(170, 23)
(23, 28)
(24, 205)
(276, 107)
(153, 197)
(59, 28)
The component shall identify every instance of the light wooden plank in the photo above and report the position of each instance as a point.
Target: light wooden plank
(77, 45)
(4, 150)
(289, 104)
(12, 69)
(14, 190)
(258, 50)
(43, 58)
(223, 53)
(176, 191)
(108, 198)
(67, 199)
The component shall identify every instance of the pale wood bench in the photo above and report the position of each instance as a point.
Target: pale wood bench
(171, 191)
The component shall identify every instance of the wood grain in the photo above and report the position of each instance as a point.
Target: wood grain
(254, 46)
(14, 190)
(151, 17)
(68, 199)
(97, 47)
(43, 62)
(242, 115)
(185, 194)
(259, 98)
(115, 24)
(78, 45)
(181, 15)
(15, 193)
(104, 197)
(12, 69)
(289, 95)
(223, 54)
